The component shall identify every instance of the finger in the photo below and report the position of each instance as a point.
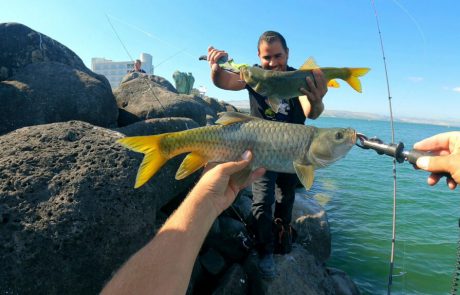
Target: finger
(319, 78)
(311, 84)
(232, 167)
(434, 164)
(305, 91)
(436, 142)
(433, 178)
(208, 167)
(451, 183)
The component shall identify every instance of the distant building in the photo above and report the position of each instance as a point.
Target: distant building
(114, 71)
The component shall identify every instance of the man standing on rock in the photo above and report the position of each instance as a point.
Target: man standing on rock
(273, 53)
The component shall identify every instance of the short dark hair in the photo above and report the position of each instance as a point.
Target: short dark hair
(270, 37)
(138, 60)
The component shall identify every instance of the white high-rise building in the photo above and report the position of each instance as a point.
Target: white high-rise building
(114, 71)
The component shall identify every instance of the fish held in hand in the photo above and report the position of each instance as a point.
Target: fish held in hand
(277, 85)
(276, 146)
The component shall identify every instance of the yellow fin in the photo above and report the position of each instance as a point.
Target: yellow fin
(305, 173)
(190, 164)
(309, 64)
(333, 84)
(227, 118)
(153, 159)
(353, 79)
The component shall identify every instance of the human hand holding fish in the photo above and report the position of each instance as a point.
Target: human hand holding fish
(315, 106)
(221, 184)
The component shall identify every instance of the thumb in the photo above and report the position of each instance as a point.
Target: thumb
(434, 164)
(233, 167)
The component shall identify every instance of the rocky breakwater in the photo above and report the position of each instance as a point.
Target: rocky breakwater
(69, 216)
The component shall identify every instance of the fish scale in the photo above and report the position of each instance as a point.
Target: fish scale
(276, 146)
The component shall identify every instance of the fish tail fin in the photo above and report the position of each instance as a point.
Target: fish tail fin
(353, 79)
(154, 159)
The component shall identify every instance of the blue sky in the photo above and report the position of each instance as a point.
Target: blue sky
(421, 41)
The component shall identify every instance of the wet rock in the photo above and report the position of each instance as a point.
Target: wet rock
(343, 285)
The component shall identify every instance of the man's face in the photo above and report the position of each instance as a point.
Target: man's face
(273, 56)
(137, 65)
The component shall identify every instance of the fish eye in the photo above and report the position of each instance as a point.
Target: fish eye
(339, 135)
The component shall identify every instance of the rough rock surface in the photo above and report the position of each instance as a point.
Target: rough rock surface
(69, 214)
(310, 222)
(61, 93)
(297, 273)
(22, 46)
(144, 99)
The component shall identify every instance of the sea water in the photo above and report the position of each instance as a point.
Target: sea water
(358, 196)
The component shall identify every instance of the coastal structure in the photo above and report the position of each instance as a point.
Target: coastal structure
(114, 71)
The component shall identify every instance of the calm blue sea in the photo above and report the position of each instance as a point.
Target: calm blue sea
(360, 193)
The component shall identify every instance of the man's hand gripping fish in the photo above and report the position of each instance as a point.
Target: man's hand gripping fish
(276, 146)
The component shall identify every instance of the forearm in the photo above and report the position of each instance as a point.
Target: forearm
(225, 79)
(165, 264)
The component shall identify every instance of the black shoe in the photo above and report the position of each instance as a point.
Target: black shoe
(267, 266)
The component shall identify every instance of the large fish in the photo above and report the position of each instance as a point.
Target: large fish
(277, 85)
(276, 146)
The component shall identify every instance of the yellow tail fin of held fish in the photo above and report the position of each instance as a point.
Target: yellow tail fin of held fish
(153, 159)
(353, 79)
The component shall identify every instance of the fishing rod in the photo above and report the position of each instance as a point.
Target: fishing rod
(393, 238)
(144, 77)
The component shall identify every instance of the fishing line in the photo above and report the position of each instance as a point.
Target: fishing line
(150, 35)
(144, 77)
(393, 238)
(119, 39)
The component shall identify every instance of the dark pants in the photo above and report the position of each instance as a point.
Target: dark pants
(264, 190)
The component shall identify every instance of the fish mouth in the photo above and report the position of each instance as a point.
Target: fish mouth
(354, 137)
(362, 138)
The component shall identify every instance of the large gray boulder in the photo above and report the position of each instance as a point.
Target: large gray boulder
(297, 273)
(143, 99)
(48, 92)
(21, 46)
(158, 80)
(343, 284)
(70, 216)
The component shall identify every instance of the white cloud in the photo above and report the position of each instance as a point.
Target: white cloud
(456, 89)
(415, 79)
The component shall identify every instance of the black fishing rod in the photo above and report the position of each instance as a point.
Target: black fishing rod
(393, 238)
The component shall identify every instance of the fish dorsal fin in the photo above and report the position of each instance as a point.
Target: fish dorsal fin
(190, 164)
(227, 118)
(305, 173)
(310, 64)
